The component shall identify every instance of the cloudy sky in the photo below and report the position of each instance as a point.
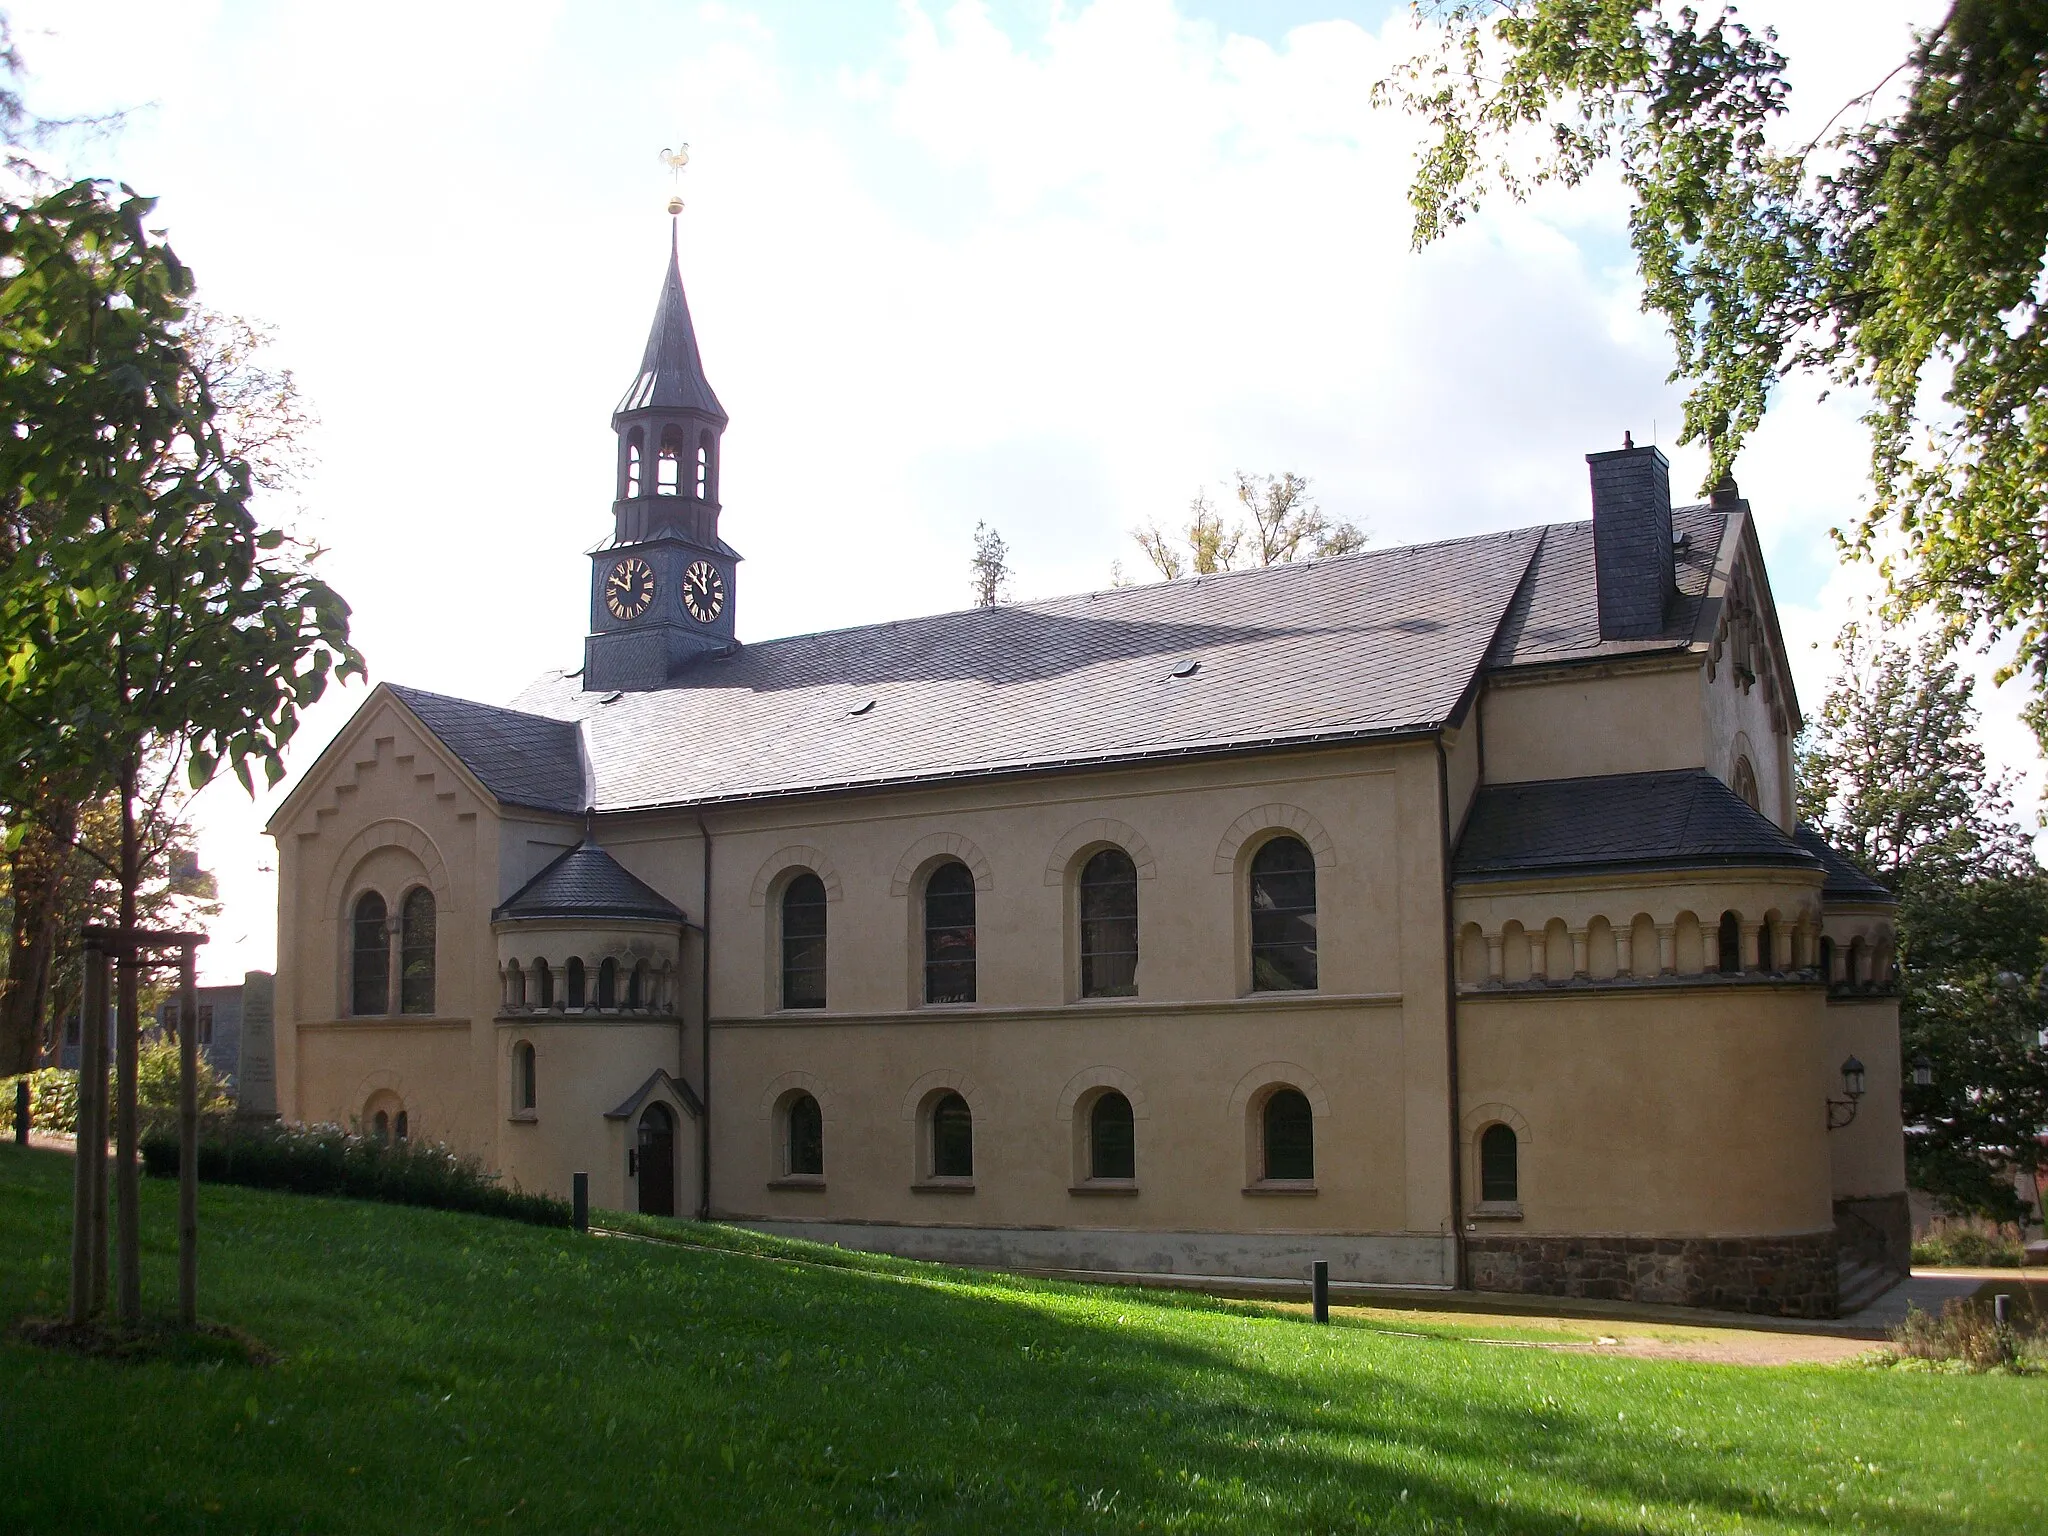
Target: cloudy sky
(1055, 266)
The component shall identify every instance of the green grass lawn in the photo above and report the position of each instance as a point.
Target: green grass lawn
(445, 1373)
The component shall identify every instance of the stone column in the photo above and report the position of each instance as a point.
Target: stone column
(1539, 953)
(1667, 949)
(1624, 950)
(1495, 968)
(1580, 957)
(1750, 933)
(1710, 947)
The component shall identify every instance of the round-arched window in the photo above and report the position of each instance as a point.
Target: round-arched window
(1499, 1172)
(370, 957)
(1112, 1138)
(1289, 1126)
(952, 1138)
(1109, 925)
(806, 1137)
(1283, 917)
(949, 934)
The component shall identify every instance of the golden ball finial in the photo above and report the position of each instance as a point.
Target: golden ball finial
(675, 204)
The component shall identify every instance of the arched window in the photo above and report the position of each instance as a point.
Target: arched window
(608, 983)
(401, 1127)
(1109, 925)
(380, 1125)
(704, 468)
(416, 952)
(543, 984)
(515, 986)
(370, 970)
(636, 985)
(952, 1138)
(806, 1131)
(949, 935)
(667, 468)
(1283, 901)
(1731, 944)
(635, 447)
(1499, 1176)
(1290, 1135)
(1859, 953)
(1827, 960)
(1745, 783)
(803, 942)
(1112, 1140)
(525, 1078)
(577, 991)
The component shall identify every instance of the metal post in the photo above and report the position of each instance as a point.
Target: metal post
(127, 1133)
(188, 1137)
(579, 1200)
(1319, 1289)
(21, 1113)
(2001, 1309)
(92, 1010)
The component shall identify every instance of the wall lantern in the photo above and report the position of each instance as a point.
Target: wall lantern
(1843, 1110)
(1923, 1072)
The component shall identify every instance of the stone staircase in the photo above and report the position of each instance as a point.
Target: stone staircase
(1859, 1282)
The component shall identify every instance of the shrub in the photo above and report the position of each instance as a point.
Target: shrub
(1957, 1246)
(52, 1101)
(326, 1160)
(1968, 1333)
(156, 1081)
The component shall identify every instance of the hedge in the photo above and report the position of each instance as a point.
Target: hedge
(327, 1160)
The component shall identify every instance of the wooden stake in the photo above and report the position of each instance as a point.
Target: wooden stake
(188, 1138)
(127, 1175)
(92, 1027)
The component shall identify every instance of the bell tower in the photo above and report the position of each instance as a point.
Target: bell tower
(662, 586)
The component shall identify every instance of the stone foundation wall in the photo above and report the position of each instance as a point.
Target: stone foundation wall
(1776, 1276)
(1877, 1229)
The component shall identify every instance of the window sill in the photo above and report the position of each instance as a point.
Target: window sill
(799, 1181)
(943, 1186)
(524, 1117)
(1496, 1210)
(1104, 1187)
(1282, 1187)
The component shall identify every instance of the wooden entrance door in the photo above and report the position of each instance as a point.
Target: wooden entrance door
(656, 1160)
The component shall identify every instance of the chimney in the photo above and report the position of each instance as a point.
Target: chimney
(1632, 540)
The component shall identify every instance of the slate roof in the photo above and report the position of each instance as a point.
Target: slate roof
(523, 759)
(588, 882)
(671, 373)
(1685, 819)
(1556, 616)
(1845, 881)
(1378, 643)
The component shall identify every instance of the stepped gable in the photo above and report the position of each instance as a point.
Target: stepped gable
(1349, 648)
(588, 882)
(1683, 819)
(1845, 881)
(1556, 616)
(522, 759)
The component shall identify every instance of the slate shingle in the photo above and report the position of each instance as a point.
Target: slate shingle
(1845, 881)
(588, 882)
(1685, 819)
(522, 759)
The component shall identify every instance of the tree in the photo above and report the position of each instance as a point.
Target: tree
(1893, 775)
(990, 567)
(1279, 525)
(1892, 772)
(1900, 254)
(142, 608)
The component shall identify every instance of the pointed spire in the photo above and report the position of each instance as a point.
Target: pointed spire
(671, 373)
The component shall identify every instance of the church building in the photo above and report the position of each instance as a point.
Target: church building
(1441, 911)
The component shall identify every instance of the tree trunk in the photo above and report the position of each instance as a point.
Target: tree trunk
(128, 1042)
(88, 1190)
(37, 868)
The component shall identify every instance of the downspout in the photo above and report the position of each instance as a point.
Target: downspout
(704, 1018)
(1443, 798)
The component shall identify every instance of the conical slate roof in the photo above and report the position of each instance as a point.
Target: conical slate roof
(671, 373)
(588, 882)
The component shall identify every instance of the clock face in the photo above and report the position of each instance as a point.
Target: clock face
(629, 588)
(703, 591)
